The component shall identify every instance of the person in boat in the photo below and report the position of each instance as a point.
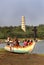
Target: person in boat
(15, 42)
(9, 40)
(30, 42)
(25, 42)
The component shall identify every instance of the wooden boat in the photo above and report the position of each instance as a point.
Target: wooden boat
(20, 49)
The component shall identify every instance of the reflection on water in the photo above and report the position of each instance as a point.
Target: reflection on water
(39, 47)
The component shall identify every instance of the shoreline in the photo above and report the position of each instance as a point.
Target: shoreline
(8, 58)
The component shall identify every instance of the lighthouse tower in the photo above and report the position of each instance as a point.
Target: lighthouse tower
(23, 27)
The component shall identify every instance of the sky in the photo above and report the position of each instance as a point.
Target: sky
(11, 12)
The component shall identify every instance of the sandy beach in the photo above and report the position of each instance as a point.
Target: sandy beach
(7, 58)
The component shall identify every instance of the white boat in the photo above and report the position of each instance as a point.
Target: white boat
(20, 49)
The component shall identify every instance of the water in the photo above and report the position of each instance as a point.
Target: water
(39, 47)
(2, 45)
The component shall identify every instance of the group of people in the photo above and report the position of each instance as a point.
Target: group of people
(15, 42)
(12, 42)
(27, 42)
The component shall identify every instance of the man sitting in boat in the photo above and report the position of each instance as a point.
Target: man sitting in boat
(9, 40)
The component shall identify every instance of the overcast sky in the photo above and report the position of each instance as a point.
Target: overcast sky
(11, 12)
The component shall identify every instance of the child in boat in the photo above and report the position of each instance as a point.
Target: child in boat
(30, 43)
(15, 42)
(25, 42)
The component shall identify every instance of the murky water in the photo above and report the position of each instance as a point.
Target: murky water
(2, 45)
(39, 47)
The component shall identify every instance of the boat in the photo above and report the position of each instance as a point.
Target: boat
(20, 49)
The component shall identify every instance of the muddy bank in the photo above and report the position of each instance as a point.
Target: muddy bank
(7, 58)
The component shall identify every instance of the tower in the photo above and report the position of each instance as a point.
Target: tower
(23, 27)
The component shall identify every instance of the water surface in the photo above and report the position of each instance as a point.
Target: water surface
(39, 47)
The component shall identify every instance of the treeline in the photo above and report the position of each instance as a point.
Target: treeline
(16, 31)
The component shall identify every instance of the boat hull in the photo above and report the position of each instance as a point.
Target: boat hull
(21, 49)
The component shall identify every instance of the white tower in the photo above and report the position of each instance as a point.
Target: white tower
(23, 27)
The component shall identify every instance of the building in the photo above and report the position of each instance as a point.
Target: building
(23, 27)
